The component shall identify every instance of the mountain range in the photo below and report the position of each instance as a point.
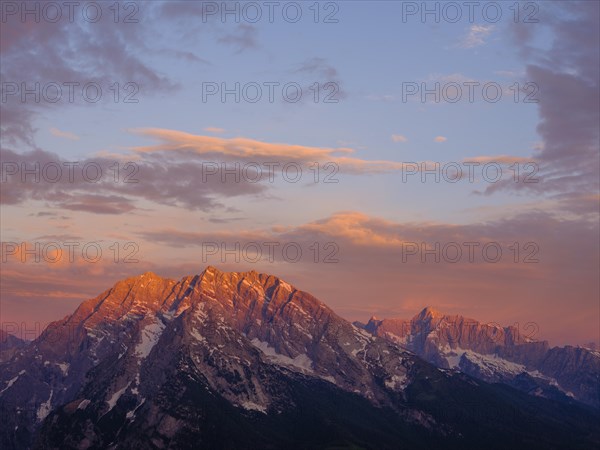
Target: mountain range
(493, 353)
(248, 361)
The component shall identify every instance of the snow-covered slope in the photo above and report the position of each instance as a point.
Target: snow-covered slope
(496, 354)
(243, 360)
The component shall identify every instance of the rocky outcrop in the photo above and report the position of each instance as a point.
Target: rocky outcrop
(9, 344)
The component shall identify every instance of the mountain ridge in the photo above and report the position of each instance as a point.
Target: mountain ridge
(495, 354)
(149, 359)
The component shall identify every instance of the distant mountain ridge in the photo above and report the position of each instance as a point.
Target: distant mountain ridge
(246, 360)
(496, 354)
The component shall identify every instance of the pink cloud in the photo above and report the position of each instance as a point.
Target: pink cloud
(399, 138)
(64, 134)
(246, 149)
(215, 130)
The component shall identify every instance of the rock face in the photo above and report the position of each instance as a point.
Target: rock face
(9, 344)
(245, 360)
(496, 354)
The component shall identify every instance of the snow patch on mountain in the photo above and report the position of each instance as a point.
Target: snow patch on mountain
(251, 406)
(45, 408)
(453, 357)
(131, 414)
(491, 364)
(112, 401)
(197, 335)
(302, 361)
(329, 378)
(150, 335)
(83, 404)
(64, 368)
(10, 383)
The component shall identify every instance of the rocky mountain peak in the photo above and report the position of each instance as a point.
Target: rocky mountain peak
(167, 360)
(428, 313)
(494, 353)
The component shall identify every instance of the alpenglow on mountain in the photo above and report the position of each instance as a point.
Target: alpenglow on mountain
(496, 354)
(247, 361)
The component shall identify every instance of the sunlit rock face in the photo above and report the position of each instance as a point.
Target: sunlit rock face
(243, 360)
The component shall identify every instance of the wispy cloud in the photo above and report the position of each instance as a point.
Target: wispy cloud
(251, 150)
(499, 159)
(477, 36)
(399, 138)
(243, 38)
(64, 134)
(318, 66)
(215, 130)
(321, 70)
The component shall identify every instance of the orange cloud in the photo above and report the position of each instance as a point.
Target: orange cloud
(216, 130)
(500, 159)
(64, 134)
(250, 149)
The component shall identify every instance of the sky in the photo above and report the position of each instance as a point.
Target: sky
(383, 156)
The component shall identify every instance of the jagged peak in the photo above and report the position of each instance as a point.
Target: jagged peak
(150, 275)
(147, 280)
(429, 313)
(211, 269)
(140, 279)
(373, 322)
(262, 278)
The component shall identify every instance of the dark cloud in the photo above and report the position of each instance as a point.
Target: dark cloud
(173, 180)
(98, 204)
(318, 66)
(319, 70)
(567, 74)
(63, 52)
(225, 220)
